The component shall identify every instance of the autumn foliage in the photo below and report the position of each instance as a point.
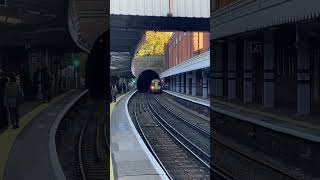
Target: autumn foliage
(154, 43)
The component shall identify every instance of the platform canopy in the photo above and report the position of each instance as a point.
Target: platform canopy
(245, 16)
(34, 22)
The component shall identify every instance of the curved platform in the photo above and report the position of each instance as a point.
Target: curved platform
(194, 99)
(131, 158)
(29, 157)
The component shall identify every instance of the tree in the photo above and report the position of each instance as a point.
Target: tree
(154, 44)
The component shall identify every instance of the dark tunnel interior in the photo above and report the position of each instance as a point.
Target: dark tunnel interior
(145, 79)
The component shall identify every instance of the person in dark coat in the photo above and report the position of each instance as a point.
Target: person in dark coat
(3, 110)
(45, 84)
(114, 93)
(13, 94)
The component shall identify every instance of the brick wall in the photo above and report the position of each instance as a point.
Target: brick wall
(183, 46)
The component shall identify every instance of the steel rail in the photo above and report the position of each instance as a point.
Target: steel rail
(81, 163)
(216, 170)
(205, 157)
(193, 125)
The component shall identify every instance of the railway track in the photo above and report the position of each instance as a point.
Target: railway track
(197, 136)
(171, 148)
(260, 169)
(93, 150)
(268, 171)
(200, 125)
(83, 148)
(256, 168)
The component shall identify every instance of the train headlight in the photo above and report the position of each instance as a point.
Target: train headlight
(152, 87)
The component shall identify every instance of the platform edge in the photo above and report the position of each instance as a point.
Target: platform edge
(53, 155)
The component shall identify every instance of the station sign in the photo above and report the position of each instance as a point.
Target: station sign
(255, 47)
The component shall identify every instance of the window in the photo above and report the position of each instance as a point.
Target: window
(195, 41)
(198, 41)
(201, 42)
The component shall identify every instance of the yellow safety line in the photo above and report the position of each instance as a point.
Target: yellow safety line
(277, 117)
(112, 105)
(8, 137)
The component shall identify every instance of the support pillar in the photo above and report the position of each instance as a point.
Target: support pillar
(218, 69)
(248, 75)
(268, 66)
(204, 83)
(174, 83)
(232, 65)
(303, 73)
(194, 83)
(187, 83)
(182, 82)
(209, 85)
(178, 82)
(316, 77)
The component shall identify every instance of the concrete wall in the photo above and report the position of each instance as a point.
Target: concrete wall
(141, 64)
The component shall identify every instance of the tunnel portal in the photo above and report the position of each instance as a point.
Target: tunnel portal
(145, 79)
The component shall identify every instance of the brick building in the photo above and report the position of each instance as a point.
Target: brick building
(183, 46)
(187, 62)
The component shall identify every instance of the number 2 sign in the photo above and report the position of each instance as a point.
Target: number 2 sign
(255, 47)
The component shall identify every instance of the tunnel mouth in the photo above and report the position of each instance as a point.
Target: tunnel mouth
(144, 80)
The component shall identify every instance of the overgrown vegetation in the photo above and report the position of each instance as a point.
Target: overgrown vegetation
(154, 44)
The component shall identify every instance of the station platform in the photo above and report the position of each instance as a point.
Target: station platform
(25, 108)
(131, 159)
(195, 99)
(25, 152)
(305, 127)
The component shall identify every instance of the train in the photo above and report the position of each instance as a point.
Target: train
(155, 87)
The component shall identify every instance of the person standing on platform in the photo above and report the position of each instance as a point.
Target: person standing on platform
(114, 92)
(45, 85)
(3, 110)
(125, 88)
(12, 99)
(50, 87)
(122, 88)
